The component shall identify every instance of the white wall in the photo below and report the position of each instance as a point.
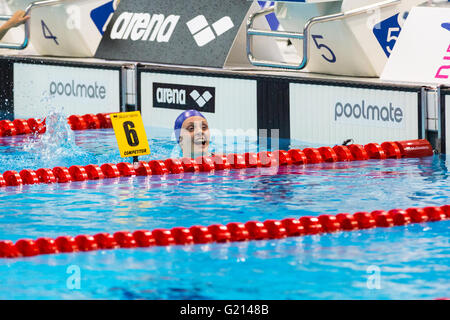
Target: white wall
(314, 117)
(36, 89)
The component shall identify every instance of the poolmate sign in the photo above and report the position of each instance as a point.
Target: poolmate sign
(130, 134)
(40, 88)
(362, 114)
(194, 32)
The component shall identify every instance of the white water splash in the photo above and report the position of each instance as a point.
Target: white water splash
(57, 142)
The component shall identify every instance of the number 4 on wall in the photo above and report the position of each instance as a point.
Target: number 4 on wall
(47, 33)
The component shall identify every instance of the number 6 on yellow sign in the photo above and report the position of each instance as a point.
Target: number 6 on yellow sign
(130, 134)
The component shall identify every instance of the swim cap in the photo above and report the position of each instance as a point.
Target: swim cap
(182, 117)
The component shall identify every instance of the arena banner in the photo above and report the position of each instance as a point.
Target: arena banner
(40, 88)
(331, 114)
(229, 103)
(194, 32)
(190, 32)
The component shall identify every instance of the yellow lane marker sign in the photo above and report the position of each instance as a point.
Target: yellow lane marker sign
(130, 134)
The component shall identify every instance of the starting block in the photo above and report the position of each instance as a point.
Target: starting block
(63, 28)
(346, 37)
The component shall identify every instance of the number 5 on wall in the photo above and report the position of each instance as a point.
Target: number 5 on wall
(320, 46)
(442, 76)
(391, 37)
(442, 68)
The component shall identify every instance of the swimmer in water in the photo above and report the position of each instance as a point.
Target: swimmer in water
(192, 134)
(16, 20)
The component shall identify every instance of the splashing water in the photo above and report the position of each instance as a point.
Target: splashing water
(57, 139)
(56, 144)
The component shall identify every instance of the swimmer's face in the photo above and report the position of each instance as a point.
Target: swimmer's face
(194, 137)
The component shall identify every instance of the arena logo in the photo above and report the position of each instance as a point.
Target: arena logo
(183, 97)
(369, 112)
(171, 96)
(144, 27)
(72, 89)
(203, 33)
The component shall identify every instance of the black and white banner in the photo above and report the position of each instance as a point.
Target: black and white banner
(188, 32)
(229, 104)
(184, 97)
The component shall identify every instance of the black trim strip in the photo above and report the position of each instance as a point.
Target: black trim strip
(6, 90)
(420, 117)
(444, 137)
(273, 107)
(138, 89)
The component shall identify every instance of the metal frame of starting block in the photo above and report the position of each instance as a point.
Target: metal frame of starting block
(26, 40)
(252, 32)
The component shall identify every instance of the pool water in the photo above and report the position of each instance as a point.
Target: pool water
(410, 262)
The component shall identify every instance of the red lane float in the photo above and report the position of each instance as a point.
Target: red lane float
(358, 152)
(328, 154)
(92, 121)
(283, 157)
(143, 169)
(110, 170)
(29, 176)
(62, 174)
(7, 128)
(21, 127)
(94, 172)
(219, 233)
(298, 156)
(77, 122)
(236, 161)
(46, 175)
(343, 153)
(392, 150)
(375, 151)
(2, 181)
(36, 126)
(312, 155)
(413, 148)
(126, 169)
(78, 173)
(12, 178)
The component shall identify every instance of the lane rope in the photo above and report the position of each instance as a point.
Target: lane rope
(37, 126)
(354, 152)
(218, 233)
